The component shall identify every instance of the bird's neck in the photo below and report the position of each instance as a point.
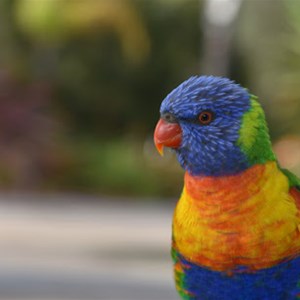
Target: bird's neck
(228, 192)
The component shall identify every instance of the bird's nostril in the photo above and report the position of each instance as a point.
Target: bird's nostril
(168, 117)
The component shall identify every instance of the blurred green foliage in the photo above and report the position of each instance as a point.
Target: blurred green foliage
(118, 166)
(98, 71)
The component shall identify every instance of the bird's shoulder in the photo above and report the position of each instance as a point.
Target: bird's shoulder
(294, 184)
(294, 181)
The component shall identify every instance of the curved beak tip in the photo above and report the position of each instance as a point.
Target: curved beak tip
(159, 148)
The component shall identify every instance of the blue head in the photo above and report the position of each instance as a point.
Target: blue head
(209, 112)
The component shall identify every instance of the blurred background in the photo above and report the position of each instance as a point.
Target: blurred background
(86, 202)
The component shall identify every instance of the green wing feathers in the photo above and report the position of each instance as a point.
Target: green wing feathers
(294, 181)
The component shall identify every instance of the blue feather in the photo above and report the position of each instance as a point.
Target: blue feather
(279, 282)
(209, 150)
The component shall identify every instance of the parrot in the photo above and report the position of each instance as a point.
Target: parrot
(236, 225)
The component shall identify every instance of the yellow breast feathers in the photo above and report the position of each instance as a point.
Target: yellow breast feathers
(249, 219)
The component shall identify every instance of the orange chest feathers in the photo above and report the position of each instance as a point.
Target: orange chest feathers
(249, 219)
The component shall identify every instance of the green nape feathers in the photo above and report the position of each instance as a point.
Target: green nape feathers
(255, 142)
(254, 138)
(294, 181)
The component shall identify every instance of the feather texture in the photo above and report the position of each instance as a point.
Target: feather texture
(194, 282)
(246, 239)
(254, 225)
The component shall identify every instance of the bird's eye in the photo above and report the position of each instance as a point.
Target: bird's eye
(206, 117)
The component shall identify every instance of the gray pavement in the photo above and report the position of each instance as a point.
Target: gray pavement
(74, 247)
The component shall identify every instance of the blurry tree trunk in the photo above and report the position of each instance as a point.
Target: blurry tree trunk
(218, 29)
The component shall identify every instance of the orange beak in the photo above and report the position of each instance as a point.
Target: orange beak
(167, 135)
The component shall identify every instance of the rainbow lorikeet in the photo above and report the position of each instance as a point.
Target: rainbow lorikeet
(236, 227)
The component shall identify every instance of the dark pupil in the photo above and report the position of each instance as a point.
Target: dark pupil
(205, 117)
